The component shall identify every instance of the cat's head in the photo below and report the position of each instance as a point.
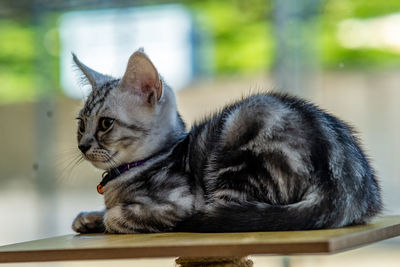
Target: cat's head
(128, 119)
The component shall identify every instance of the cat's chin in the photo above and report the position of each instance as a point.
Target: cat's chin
(102, 165)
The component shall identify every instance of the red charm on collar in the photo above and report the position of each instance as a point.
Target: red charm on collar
(100, 189)
(114, 173)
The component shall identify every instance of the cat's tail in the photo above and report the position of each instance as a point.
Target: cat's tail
(252, 217)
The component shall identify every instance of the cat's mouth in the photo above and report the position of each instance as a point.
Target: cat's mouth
(101, 158)
(102, 161)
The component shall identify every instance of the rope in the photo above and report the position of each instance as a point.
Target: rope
(213, 262)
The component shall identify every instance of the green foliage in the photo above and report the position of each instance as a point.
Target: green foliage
(244, 40)
(242, 35)
(16, 61)
(28, 59)
(341, 9)
(333, 54)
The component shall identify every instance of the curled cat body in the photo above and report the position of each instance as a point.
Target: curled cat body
(266, 162)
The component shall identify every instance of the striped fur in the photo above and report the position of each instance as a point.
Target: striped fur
(266, 162)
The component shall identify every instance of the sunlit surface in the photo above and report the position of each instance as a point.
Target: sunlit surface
(377, 33)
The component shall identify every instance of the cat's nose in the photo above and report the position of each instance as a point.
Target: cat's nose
(84, 148)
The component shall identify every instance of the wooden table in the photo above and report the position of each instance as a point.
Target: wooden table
(196, 245)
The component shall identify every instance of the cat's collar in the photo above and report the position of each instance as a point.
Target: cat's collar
(115, 172)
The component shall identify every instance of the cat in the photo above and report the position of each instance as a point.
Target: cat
(267, 162)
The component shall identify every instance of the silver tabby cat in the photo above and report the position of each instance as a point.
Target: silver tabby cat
(266, 162)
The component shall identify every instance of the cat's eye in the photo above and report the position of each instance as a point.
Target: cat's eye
(105, 124)
(81, 126)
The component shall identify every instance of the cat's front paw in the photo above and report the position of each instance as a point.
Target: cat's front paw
(89, 222)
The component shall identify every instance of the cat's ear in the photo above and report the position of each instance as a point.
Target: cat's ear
(141, 78)
(95, 78)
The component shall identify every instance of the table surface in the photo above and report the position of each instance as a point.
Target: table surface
(107, 246)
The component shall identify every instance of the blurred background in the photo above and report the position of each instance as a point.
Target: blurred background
(343, 55)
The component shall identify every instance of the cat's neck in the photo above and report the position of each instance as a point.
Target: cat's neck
(174, 132)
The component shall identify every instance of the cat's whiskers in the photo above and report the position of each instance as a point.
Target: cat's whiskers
(65, 158)
(66, 166)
